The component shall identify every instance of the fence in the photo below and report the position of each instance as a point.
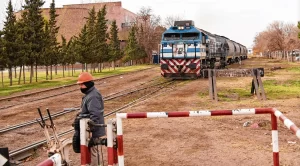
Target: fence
(272, 111)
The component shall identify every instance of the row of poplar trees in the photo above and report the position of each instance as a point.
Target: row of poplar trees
(32, 41)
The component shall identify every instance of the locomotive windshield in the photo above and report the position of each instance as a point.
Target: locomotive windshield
(190, 36)
(171, 36)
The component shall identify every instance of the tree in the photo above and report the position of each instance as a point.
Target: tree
(10, 37)
(91, 40)
(82, 47)
(54, 45)
(63, 53)
(114, 45)
(150, 30)
(101, 37)
(34, 32)
(48, 52)
(169, 20)
(71, 53)
(2, 58)
(299, 28)
(279, 38)
(21, 51)
(22, 41)
(131, 49)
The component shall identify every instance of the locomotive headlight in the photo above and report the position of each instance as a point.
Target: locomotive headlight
(180, 28)
(164, 66)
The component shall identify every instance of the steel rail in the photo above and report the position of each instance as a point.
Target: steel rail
(3, 130)
(15, 153)
(106, 98)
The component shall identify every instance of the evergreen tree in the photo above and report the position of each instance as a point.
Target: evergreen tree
(91, 40)
(10, 37)
(34, 32)
(24, 47)
(131, 49)
(71, 53)
(63, 53)
(114, 45)
(82, 47)
(2, 58)
(101, 37)
(21, 51)
(48, 52)
(54, 45)
(299, 28)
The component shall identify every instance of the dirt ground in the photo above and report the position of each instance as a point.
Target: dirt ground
(215, 141)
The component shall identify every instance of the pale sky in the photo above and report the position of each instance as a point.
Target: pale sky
(239, 20)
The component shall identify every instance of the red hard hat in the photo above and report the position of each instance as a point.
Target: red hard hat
(84, 77)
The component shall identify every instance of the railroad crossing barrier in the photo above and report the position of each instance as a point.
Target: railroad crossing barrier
(272, 111)
(112, 158)
(54, 160)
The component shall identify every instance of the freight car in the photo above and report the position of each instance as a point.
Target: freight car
(186, 50)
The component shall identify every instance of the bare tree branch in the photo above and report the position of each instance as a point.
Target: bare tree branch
(169, 20)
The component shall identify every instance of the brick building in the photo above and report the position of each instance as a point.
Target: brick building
(71, 18)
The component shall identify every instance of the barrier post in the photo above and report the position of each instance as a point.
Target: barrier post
(210, 85)
(275, 140)
(120, 141)
(256, 84)
(84, 136)
(110, 152)
(214, 81)
(261, 86)
(115, 146)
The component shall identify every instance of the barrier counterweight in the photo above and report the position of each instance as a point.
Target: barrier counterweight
(54, 160)
(273, 112)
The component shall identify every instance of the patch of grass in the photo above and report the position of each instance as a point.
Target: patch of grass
(292, 83)
(43, 84)
(223, 97)
(269, 83)
(234, 94)
(284, 90)
(59, 80)
(294, 69)
(270, 74)
(242, 92)
(203, 94)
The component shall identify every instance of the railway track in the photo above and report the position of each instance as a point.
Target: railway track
(9, 102)
(26, 151)
(76, 108)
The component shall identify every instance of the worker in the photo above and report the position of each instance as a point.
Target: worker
(92, 104)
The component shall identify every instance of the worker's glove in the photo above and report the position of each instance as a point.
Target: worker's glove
(97, 141)
(93, 142)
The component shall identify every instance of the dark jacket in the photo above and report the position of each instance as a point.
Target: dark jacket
(92, 104)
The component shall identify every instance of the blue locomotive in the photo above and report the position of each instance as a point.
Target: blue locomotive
(186, 50)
